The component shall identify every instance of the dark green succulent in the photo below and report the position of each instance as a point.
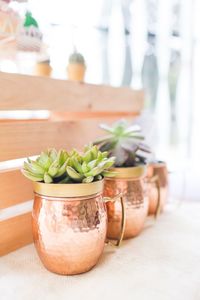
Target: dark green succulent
(63, 167)
(124, 142)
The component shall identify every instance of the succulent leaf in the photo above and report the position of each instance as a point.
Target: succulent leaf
(87, 157)
(31, 176)
(133, 128)
(53, 169)
(94, 172)
(44, 160)
(107, 128)
(108, 146)
(34, 167)
(85, 167)
(103, 139)
(124, 142)
(77, 165)
(88, 179)
(104, 154)
(92, 164)
(52, 154)
(61, 171)
(47, 178)
(94, 152)
(73, 174)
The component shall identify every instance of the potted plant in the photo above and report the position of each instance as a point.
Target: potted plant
(30, 36)
(43, 68)
(76, 67)
(124, 142)
(69, 214)
(157, 176)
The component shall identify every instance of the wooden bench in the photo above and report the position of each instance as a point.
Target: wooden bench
(73, 112)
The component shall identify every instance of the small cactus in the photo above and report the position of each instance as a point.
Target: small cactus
(76, 58)
(62, 167)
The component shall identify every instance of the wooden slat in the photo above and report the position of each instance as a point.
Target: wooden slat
(31, 92)
(73, 116)
(26, 139)
(14, 188)
(15, 233)
(63, 116)
(13, 120)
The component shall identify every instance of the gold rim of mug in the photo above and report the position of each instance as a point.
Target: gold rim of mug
(157, 164)
(129, 172)
(68, 189)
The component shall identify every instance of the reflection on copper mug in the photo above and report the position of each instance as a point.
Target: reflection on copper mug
(131, 184)
(69, 226)
(157, 177)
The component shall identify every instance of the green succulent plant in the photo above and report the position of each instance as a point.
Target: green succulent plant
(50, 166)
(63, 167)
(89, 166)
(124, 142)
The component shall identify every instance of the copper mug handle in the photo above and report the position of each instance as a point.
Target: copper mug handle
(123, 222)
(155, 179)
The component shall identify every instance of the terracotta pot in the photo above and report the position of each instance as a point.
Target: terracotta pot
(157, 177)
(76, 71)
(69, 225)
(42, 69)
(131, 184)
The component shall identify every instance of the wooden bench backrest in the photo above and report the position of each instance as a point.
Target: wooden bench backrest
(76, 109)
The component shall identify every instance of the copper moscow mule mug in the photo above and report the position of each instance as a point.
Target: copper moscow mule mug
(157, 178)
(69, 225)
(130, 183)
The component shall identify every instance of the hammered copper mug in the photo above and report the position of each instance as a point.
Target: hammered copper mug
(130, 183)
(157, 178)
(69, 225)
